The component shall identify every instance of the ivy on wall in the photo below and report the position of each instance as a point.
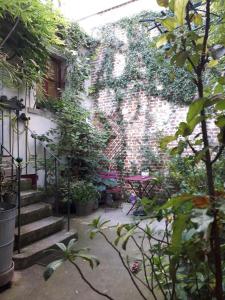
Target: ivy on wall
(146, 68)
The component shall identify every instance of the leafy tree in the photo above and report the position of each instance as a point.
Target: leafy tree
(185, 261)
(190, 33)
(27, 31)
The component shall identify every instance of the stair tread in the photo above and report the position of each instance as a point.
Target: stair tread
(28, 228)
(28, 193)
(45, 243)
(34, 207)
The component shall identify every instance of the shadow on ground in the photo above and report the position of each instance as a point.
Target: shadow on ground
(66, 283)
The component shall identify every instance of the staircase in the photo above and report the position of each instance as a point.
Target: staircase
(39, 228)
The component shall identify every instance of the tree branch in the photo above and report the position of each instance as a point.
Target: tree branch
(88, 282)
(218, 154)
(10, 32)
(124, 264)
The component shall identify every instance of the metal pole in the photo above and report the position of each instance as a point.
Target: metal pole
(17, 131)
(35, 155)
(26, 147)
(2, 127)
(10, 131)
(68, 204)
(56, 187)
(68, 195)
(19, 160)
(45, 164)
(12, 163)
(1, 196)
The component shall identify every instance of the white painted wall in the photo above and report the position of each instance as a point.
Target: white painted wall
(40, 122)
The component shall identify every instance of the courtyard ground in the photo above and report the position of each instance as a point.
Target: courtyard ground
(66, 283)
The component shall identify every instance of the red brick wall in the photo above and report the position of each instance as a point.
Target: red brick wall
(145, 119)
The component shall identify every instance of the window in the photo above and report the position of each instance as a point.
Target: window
(54, 80)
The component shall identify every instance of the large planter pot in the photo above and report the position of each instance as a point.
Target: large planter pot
(7, 229)
(84, 208)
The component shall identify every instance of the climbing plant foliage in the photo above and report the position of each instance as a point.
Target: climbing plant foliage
(28, 28)
(146, 68)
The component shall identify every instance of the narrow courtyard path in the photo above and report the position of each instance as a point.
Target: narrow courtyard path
(66, 283)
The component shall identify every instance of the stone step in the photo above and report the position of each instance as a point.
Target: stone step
(38, 230)
(26, 184)
(31, 196)
(32, 253)
(8, 172)
(35, 212)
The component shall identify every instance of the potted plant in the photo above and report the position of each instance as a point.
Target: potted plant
(7, 228)
(84, 195)
(103, 184)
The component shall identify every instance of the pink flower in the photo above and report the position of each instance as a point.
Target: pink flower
(135, 268)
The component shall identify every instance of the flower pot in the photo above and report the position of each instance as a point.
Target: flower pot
(84, 208)
(7, 229)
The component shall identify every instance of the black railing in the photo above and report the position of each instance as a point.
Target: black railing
(16, 162)
(22, 163)
(47, 155)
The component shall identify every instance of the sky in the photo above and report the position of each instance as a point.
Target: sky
(78, 9)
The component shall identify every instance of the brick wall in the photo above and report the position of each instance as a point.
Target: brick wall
(145, 118)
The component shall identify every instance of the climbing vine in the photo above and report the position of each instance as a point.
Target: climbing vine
(28, 30)
(146, 68)
(77, 138)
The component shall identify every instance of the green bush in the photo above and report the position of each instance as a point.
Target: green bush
(83, 192)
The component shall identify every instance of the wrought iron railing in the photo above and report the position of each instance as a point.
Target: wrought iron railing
(22, 161)
(16, 162)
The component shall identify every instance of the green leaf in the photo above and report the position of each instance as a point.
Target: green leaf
(169, 23)
(221, 80)
(179, 226)
(197, 19)
(126, 237)
(162, 40)
(218, 88)
(177, 201)
(220, 105)
(171, 5)
(220, 122)
(179, 10)
(119, 229)
(212, 63)
(50, 269)
(183, 130)
(195, 108)
(95, 223)
(194, 122)
(92, 234)
(61, 246)
(89, 258)
(179, 149)
(71, 244)
(166, 140)
(163, 3)
(180, 58)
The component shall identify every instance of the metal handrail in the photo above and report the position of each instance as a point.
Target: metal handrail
(34, 136)
(18, 164)
(10, 154)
